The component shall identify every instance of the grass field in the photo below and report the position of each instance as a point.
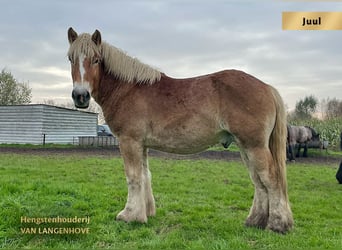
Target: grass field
(200, 205)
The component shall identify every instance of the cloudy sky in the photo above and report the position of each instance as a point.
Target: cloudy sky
(180, 38)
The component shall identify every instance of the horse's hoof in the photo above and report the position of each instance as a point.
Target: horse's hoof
(257, 221)
(281, 229)
(280, 225)
(129, 216)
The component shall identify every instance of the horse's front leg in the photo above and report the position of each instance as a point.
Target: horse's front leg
(305, 153)
(291, 152)
(149, 198)
(132, 153)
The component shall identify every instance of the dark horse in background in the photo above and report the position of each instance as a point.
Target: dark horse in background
(299, 135)
(339, 171)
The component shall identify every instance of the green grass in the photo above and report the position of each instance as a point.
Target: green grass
(200, 204)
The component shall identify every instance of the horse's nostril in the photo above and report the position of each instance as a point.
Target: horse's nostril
(81, 98)
(73, 94)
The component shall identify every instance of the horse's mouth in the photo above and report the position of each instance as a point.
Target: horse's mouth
(83, 106)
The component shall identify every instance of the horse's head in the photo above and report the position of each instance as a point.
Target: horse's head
(85, 59)
(314, 134)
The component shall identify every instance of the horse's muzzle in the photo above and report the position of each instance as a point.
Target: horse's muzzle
(81, 98)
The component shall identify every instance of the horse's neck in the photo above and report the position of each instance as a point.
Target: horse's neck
(111, 91)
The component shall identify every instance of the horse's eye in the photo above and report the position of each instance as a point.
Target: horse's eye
(96, 61)
(70, 60)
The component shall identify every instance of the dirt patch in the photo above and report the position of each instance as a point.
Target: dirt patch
(115, 152)
(323, 158)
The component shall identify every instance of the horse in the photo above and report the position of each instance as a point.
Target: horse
(339, 171)
(289, 148)
(339, 174)
(299, 135)
(145, 108)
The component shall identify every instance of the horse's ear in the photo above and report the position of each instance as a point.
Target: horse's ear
(72, 35)
(96, 37)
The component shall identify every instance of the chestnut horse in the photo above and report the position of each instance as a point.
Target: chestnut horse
(148, 109)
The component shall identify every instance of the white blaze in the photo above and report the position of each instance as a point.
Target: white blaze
(83, 85)
(82, 70)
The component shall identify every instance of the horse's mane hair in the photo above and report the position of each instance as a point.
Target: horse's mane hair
(115, 61)
(314, 133)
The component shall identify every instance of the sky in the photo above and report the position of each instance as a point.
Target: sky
(180, 38)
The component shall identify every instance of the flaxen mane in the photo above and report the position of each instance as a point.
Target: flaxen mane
(116, 62)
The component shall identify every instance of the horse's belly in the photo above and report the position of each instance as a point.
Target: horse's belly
(180, 148)
(187, 143)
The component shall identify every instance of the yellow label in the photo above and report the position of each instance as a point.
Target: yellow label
(312, 20)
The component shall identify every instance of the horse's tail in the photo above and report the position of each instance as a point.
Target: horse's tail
(277, 142)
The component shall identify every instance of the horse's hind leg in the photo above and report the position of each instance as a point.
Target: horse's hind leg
(298, 150)
(270, 205)
(258, 215)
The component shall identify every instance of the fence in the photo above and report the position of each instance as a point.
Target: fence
(98, 141)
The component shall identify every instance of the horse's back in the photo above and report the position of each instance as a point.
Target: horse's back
(229, 94)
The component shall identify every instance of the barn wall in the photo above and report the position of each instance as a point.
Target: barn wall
(64, 126)
(21, 125)
(28, 123)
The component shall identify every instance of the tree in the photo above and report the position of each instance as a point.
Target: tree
(333, 108)
(13, 92)
(306, 107)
